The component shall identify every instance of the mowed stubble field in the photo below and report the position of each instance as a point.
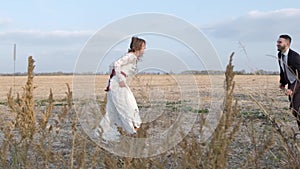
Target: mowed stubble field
(200, 88)
(245, 84)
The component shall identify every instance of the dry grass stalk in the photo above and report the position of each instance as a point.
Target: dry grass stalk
(46, 114)
(287, 142)
(215, 154)
(66, 107)
(7, 143)
(45, 144)
(260, 145)
(25, 121)
(111, 162)
(24, 107)
(227, 127)
(69, 96)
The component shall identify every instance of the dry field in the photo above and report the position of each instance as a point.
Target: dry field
(250, 139)
(245, 84)
(201, 88)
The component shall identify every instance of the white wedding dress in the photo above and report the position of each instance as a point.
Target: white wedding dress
(121, 108)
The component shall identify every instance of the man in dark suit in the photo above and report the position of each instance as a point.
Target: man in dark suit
(289, 63)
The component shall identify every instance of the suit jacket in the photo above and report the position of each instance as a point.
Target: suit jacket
(293, 64)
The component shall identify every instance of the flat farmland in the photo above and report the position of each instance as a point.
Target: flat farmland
(202, 89)
(245, 84)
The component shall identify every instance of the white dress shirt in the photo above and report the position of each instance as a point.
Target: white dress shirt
(291, 76)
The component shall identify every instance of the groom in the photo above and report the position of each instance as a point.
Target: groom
(289, 63)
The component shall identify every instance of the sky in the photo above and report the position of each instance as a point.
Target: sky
(57, 32)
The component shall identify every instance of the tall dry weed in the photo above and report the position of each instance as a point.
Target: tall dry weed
(24, 106)
(25, 121)
(30, 139)
(229, 124)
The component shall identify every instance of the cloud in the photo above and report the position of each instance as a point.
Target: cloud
(5, 21)
(257, 25)
(45, 37)
(53, 50)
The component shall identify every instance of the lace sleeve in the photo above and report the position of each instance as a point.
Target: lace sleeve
(121, 62)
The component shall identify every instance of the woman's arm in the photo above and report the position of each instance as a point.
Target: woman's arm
(121, 62)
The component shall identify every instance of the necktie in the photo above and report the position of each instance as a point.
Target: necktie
(284, 66)
(283, 62)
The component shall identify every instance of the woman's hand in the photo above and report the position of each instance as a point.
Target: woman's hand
(122, 84)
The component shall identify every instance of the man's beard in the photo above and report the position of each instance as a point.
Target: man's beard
(281, 48)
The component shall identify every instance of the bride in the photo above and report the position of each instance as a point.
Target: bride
(121, 108)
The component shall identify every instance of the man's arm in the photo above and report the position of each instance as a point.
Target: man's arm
(296, 64)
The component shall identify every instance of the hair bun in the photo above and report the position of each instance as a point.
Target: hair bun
(134, 38)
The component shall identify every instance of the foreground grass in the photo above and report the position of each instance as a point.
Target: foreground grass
(48, 135)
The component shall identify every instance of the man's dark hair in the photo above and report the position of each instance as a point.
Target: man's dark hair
(286, 37)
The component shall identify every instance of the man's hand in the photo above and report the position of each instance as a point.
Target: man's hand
(282, 87)
(122, 84)
(288, 92)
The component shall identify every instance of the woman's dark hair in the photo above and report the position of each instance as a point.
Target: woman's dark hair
(136, 44)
